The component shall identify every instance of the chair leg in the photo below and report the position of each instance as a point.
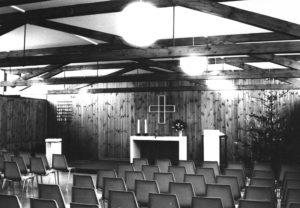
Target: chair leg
(3, 184)
(57, 175)
(42, 179)
(68, 180)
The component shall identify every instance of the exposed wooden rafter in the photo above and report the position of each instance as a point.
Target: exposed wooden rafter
(4, 3)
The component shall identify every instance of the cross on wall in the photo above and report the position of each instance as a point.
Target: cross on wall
(161, 109)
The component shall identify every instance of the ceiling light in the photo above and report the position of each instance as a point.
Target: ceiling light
(138, 24)
(193, 65)
(87, 39)
(18, 8)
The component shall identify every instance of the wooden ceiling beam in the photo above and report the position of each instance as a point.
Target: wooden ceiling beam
(4, 3)
(155, 53)
(97, 35)
(214, 75)
(240, 15)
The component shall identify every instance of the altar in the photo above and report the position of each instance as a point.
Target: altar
(138, 144)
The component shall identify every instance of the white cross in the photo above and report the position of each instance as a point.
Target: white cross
(161, 109)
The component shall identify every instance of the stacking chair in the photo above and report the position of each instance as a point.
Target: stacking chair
(109, 173)
(112, 184)
(211, 202)
(84, 195)
(59, 163)
(178, 172)
(79, 205)
(198, 183)
(221, 191)
(263, 182)
(163, 201)
(208, 173)
(163, 180)
(131, 177)
(189, 166)
(290, 183)
(263, 174)
(45, 160)
(122, 199)
(233, 182)
(236, 165)
(124, 167)
(12, 174)
(259, 193)
(163, 165)
(44, 203)
(21, 163)
(239, 173)
(284, 169)
(37, 167)
(51, 191)
(292, 196)
(83, 181)
(26, 157)
(139, 162)
(288, 176)
(142, 190)
(212, 164)
(243, 203)
(262, 166)
(149, 171)
(9, 201)
(7, 156)
(184, 193)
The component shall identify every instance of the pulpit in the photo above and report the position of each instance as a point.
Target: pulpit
(53, 146)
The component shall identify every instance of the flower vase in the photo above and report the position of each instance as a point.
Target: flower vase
(180, 133)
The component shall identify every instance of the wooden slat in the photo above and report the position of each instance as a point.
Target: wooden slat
(240, 15)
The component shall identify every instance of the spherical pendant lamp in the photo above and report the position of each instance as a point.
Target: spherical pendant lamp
(193, 65)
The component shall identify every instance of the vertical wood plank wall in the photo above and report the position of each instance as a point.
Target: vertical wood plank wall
(23, 124)
(102, 123)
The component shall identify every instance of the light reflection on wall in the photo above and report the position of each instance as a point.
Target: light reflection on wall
(227, 87)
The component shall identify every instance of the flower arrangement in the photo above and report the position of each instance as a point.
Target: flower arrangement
(179, 125)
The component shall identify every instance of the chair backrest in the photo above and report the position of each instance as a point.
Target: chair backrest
(184, 193)
(243, 203)
(84, 181)
(293, 205)
(149, 171)
(263, 174)
(7, 156)
(292, 195)
(259, 193)
(239, 173)
(122, 199)
(44, 203)
(51, 191)
(178, 172)
(142, 190)
(26, 156)
(112, 184)
(212, 164)
(235, 165)
(262, 166)
(163, 180)
(198, 183)
(290, 175)
(189, 166)
(12, 171)
(263, 182)
(163, 164)
(44, 158)
(139, 162)
(59, 162)
(109, 173)
(221, 191)
(9, 201)
(124, 167)
(163, 201)
(131, 176)
(37, 166)
(84, 195)
(79, 205)
(208, 174)
(290, 183)
(211, 202)
(21, 164)
(286, 168)
(233, 182)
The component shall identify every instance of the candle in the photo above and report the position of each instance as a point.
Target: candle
(146, 127)
(138, 127)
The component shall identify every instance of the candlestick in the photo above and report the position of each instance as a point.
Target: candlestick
(138, 127)
(146, 127)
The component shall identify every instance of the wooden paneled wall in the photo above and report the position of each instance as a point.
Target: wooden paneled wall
(102, 123)
(23, 124)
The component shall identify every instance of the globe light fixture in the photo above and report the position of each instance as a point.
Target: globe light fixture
(193, 65)
(138, 24)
